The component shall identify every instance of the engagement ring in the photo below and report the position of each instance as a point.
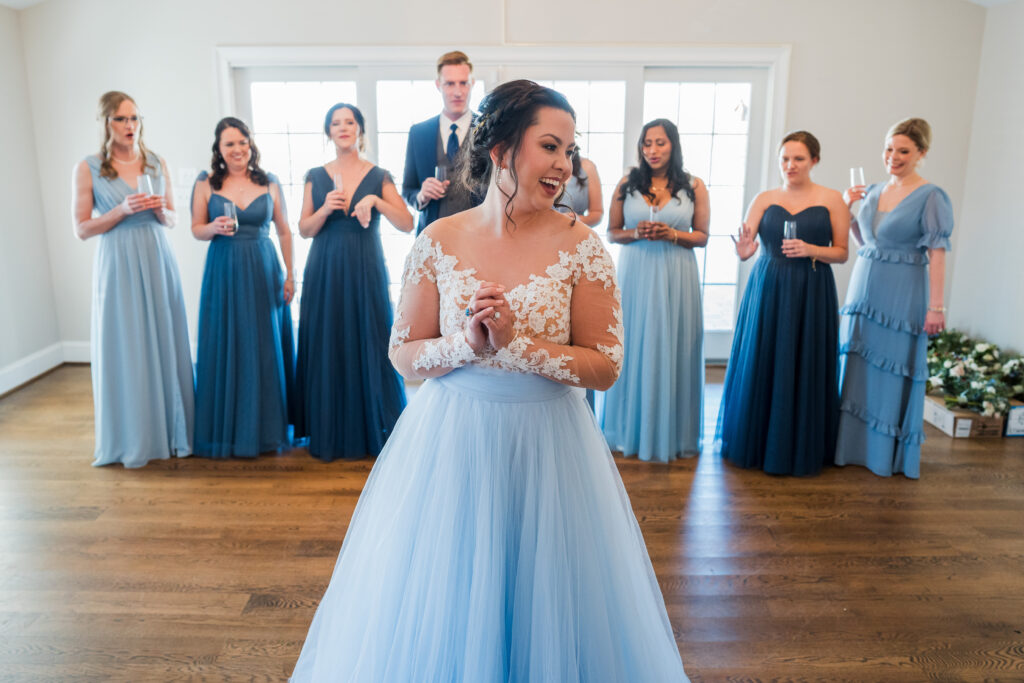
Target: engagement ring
(497, 314)
(469, 311)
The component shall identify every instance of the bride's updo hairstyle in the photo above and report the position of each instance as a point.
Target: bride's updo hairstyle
(505, 114)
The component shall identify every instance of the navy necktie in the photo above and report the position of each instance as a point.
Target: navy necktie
(453, 144)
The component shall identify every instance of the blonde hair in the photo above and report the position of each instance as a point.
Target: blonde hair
(109, 103)
(917, 130)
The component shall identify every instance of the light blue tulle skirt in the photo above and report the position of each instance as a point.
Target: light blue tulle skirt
(493, 541)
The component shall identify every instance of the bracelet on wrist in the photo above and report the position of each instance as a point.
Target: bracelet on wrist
(936, 309)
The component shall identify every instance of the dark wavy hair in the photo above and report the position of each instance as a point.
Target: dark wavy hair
(220, 167)
(639, 178)
(356, 114)
(505, 114)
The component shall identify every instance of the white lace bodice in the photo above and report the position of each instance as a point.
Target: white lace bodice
(568, 320)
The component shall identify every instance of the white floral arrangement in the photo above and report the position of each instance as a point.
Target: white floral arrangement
(974, 375)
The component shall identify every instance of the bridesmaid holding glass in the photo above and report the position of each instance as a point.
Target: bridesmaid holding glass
(895, 300)
(246, 358)
(655, 409)
(349, 394)
(141, 362)
(780, 403)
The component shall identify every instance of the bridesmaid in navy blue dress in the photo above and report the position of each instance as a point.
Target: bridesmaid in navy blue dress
(780, 404)
(245, 371)
(349, 394)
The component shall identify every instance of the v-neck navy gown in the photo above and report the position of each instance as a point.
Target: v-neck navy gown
(349, 394)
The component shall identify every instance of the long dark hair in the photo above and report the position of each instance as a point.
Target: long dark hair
(639, 178)
(505, 114)
(220, 167)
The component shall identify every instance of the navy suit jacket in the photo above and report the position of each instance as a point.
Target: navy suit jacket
(420, 160)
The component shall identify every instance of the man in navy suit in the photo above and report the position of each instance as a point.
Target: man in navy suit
(434, 143)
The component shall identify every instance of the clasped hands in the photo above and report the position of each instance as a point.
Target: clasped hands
(337, 200)
(489, 321)
(140, 201)
(653, 230)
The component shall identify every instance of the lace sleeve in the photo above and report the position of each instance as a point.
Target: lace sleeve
(593, 357)
(417, 348)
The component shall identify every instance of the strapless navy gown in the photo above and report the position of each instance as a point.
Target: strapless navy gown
(780, 404)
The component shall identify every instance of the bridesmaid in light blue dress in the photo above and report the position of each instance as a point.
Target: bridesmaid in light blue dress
(583, 192)
(893, 303)
(659, 213)
(141, 363)
(245, 374)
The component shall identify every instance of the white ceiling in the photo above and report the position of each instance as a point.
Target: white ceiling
(22, 4)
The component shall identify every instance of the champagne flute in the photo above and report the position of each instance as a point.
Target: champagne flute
(339, 186)
(144, 185)
(856, 176)
(441, 173)
(789, 230)
(231, 212)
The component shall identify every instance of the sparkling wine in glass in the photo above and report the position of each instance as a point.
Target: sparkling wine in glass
(789, 230)
(856, 176)
(144, 185)
(338, 185)
(231, 212)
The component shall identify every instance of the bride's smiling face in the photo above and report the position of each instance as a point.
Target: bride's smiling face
(544, 161)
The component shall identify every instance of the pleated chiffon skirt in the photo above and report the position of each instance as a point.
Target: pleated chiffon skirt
(655, 409)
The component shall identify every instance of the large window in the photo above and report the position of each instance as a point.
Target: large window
(721, 113)
(713, 121)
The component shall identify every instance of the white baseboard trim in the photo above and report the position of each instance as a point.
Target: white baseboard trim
(31, 366)
(77, 352)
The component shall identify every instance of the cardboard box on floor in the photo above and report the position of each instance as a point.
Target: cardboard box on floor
(1015, 420)
(960, 424)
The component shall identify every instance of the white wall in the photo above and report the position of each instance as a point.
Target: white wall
(29, 339)
(987, 295)
(855, 70)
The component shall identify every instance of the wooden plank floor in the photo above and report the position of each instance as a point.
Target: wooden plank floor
(211, 570)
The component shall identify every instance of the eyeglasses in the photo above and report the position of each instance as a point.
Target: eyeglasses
(125, 119)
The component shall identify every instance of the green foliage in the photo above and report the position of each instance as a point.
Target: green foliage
(974, 375)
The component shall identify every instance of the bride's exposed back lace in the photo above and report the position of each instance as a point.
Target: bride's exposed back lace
(568, 319)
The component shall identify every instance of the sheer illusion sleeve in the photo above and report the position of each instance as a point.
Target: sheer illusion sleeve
(936, 221)
(593, 356)
(417, 348)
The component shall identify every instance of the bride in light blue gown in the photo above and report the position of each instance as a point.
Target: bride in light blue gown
(494, 541)
(659, 213)
(141, 364)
